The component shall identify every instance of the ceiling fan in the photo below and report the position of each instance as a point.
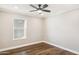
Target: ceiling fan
(41, 7)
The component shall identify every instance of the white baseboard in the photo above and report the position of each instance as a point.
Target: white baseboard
(4, 49)
(62, 47)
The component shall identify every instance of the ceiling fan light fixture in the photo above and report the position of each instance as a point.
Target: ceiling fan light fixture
(39, 11)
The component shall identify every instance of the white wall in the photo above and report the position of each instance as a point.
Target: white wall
(34, 30)
(63, 30)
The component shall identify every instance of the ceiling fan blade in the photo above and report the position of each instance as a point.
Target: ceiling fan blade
(46, 10)
(45, 5)
(33, 6)
(33, 10)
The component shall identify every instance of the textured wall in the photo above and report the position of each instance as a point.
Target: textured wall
(34, 30)
(63, 30)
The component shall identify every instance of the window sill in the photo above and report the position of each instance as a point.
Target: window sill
(19, 38)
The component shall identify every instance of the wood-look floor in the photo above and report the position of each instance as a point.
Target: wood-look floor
(37, 49)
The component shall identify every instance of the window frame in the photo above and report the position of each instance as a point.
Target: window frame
(25, 29)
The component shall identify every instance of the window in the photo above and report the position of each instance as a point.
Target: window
(19, 29)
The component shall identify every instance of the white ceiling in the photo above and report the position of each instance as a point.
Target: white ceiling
(25, 8)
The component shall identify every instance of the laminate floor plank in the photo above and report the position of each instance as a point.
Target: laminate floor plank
(37, 49)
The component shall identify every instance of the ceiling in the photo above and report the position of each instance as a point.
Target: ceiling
(25, 8)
